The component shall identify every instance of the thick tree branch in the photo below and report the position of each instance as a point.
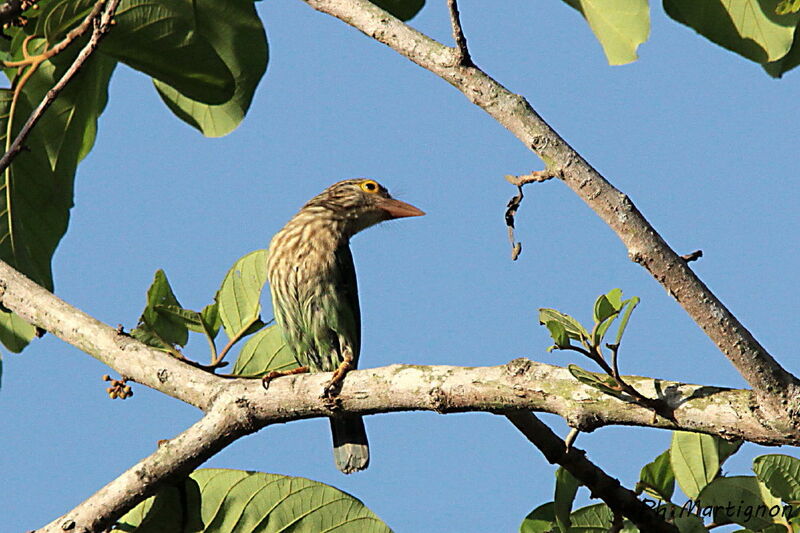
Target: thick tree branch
(237, 407)
(520, 384)
(622, 501)
(776, 388)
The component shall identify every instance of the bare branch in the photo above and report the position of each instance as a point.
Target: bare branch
(776, 389)
(100, 19)
(694, 256)
(462, 52)
(622, 501)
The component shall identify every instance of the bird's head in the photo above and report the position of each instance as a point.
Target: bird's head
(361, 203)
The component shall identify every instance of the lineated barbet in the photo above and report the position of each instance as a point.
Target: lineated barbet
(315, 297)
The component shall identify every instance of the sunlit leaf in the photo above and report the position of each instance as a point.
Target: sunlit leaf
(233, 501)
(695, 461)
(264, 352)
(619, 25)
(240, 294)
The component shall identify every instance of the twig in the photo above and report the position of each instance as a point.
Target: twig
(694, 256)
(101, 23)
(621, 500)
(511, 211)
(462, 52)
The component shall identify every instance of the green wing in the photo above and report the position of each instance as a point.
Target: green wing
(345, 316)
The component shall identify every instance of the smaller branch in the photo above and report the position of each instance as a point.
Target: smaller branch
(694, 256)
(102, 23)
(571, 438)
(462, 52)
(216, 360)
(621, 500)
(537, 176)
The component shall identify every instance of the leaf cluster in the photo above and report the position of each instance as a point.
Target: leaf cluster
(766, 502)
(236, 309)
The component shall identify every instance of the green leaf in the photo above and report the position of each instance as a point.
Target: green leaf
(737, 499)
(211, 320)
(264, 352)
(595, 518)
(750, 28)
(241, 43)
(186, 317)
(628, 306)
(657, 478)
(619, 25)
(726, 448)
(57, 17)
(15, 333)
(689, 523)
(603, 309)
(240, 294)
(781, 475)
(540, 520)
(614, 297)
(778, 68)
(37, 188)
(605, 384)
(695, 461)
(558, 333)
(566, 489)
(158, 327)
(168, 41)
(572, 326)
(402, 9)
(232, 501)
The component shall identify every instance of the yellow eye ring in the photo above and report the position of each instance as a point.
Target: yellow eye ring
(370, 186)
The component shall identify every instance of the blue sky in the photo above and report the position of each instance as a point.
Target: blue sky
(702, 140)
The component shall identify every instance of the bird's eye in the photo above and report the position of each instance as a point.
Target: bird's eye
(370, 186)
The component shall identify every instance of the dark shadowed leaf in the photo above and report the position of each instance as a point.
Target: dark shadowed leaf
(657, 478)
(239, 40)
(164, 40)
(733, 496)
(233, 501)
(155, 327)
(38, 186)
(540, 520)
(402, 9)
(566, 489)
(726, 448)
(750, 28)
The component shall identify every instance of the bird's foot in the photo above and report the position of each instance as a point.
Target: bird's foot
(269, 376)
(333, 387)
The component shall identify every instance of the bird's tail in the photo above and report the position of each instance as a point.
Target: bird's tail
(350, 447)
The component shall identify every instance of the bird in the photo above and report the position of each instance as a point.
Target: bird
(314, 292)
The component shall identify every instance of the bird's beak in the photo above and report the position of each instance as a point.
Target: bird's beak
(398, 209)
